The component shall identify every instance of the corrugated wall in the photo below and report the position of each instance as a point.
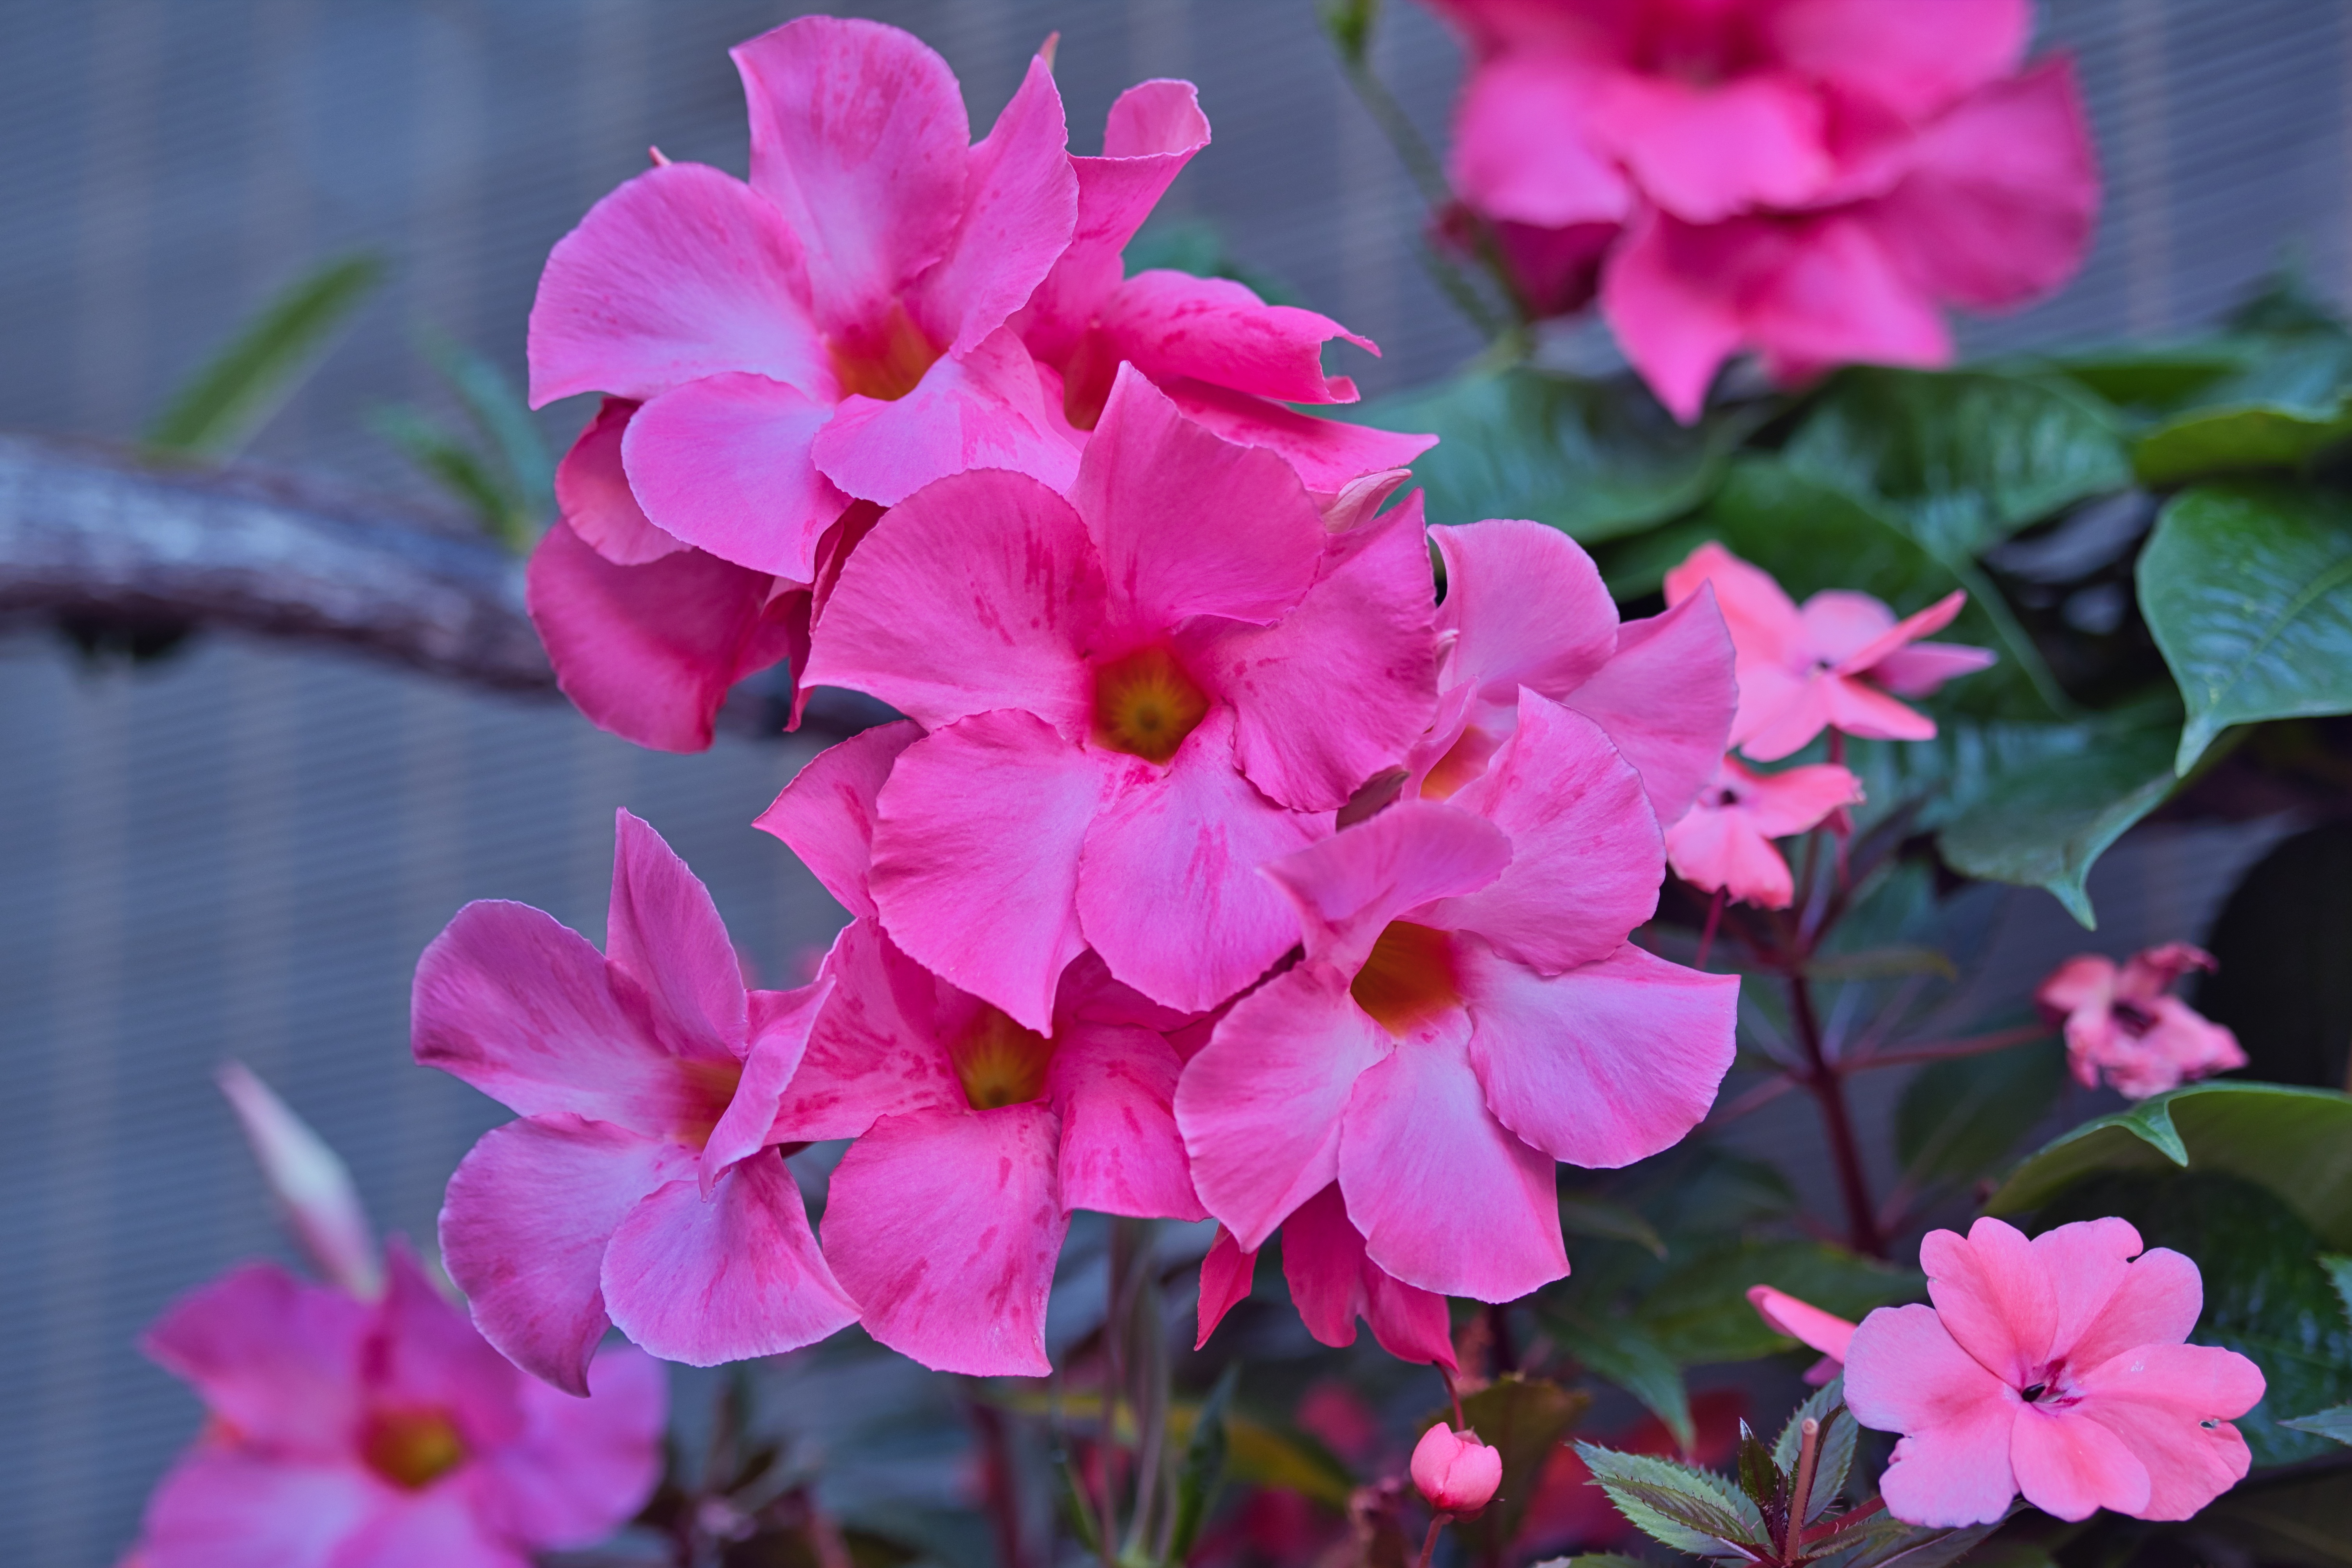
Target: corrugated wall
(240, 851)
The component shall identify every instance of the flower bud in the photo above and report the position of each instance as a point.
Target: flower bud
(1458, 1473)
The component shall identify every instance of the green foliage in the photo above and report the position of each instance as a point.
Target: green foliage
(1678, 1505)
(1203, 1469)
(503, 474)
(2247, 588)
(1585, 1216)
(2288, 404)
(1621, 1350)
(218, 410)
(1524, 1419)
(1191, 245)
(1699, 1313)
(1839, 1434)
(2281, 940)
(1959, 1118)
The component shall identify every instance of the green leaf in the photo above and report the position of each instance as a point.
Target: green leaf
(2288, 405)
(1267, 1457)
(500, 412)
(1524, 1420)
(1758, 1478)
(1699, 1312)
(1882, 964)
(2047, 826)
(1915, 1547)
(1962, 459)
(1959, 1118)
(1199, 248)
(1703, 1512)
(1819, 1406)
(1595, 459)
(460, 470)
(2158, 377)
(2340, 1274)
(2247, 589)
(2336, 1424)
(220, 408)
(1204, 1470)
(2296, 1142)
(1581, 1216)
(2266, 1297)
(1619, 1351)
(1835, 1455)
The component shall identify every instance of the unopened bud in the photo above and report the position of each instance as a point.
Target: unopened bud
(1458, 1473)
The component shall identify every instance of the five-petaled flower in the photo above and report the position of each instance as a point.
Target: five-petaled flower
(2123, 1024)
(1723, 843)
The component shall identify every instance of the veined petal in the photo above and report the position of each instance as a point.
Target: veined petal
(779, 1028)
(879, 1044)
(1225, 1280)
(826, 814)
(724, 463)
(1904, 1373)
(2070, 1467)
(985, 408)
(591, 491)
(1172, 326)
(1114, 1089)
(662, 930)
(1522, 146)
(1995, 1296)
(1350, 886)
(1666, 698)
(2158, 1399)
(2088, 1262)
(1328, 454)
(1333, 1283)
(1708, 153)
(1526, 606)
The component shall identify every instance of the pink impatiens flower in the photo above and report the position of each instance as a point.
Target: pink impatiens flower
(976, 1136)
(2053, 1367)
(1332, 1283)
(1723, 844)
(347, 1434)
(1468, 1012)
(641, 1186)
(1133, 698)
(1807, 1325)
(1830, 664)
(2123, 1024)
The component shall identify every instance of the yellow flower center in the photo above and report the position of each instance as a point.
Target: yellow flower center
(411, 1449)
(1409, 979)
(1145, 704)
(705, 1089)
(1000, 1062)
(884, 362)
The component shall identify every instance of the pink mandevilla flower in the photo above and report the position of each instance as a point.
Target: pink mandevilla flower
(1813, 179)
(2053, 1367)
(1133, 697)
(641, 1186)
(351, 1434)
(1830, 664)
(1332, 1283)
(1723, 844)
(976, 1136)
(2123, 1024)
(1468, 1010)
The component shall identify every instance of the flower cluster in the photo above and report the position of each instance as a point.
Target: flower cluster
(1217, 869)
(2123, 1024)
(1813, 180)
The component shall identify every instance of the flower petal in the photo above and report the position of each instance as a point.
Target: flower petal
(1606, 1064)
(1225, 1280)
(1915, 64)
(1333, 1283)
(1794, 800)
(225, 1508)
(781, 1024)
(1523, 147)
(1904, 1373)
(311, 1184)
(879, 1045)
(2157, 1399)
(275, 1357)
(582, 1467)
(724, 463)
(1350, 886)
(1527, 607)
(946, 1224)
(1115, 1090)
(1661, 293)
(1764, 622)
(1720, 850)
(2070, 1467)
(591, 491)
(437, 1525)
(1802, 1321)
(2088, 1263)
(1994, 1293)
(1172, 326)
(662, 930)
(1707, 153)
(1666, 698)
(826, 814)
(985, 408)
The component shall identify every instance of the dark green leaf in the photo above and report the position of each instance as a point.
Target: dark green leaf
(2281, 940)
(1524, 1420)
(1618, 1350)
(1267, 1457)
(2247, 589)
(2287, 405)
(1819, 1406)
(1697, 1506)
(1914, 1546)
(1962, 459)
(1758, 1478)
(2158, 377)
(2340, 1274)
(1959, 1118)
(1191, 245)
(1699, 1312)
(2047, 824)
(2266, 1296)
(2296, 1142)
(1204, 1470)
(218, 409)
(1838, 1439)
(2336, 1424)
(2306, 1520)
(1580, 1216)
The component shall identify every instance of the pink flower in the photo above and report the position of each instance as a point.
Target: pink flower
(346, 1433)
(976, 1137)
(1804, 177)
(1332, 1283)
(2053, 1367)
(1468, 1012)
(1830, 664)
(1725, 844)
(1807, 1325)
(2122, 1024)
(1133, 698)
(312, 1185)
(641, 1186)
(1454, 1471)
(1525, 607)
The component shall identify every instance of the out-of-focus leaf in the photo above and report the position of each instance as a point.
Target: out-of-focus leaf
(2247, 589)
(1189, 245)
(2266, 1296)
(1896, 1545)
(2281, 940)
(1617, 1349)
(2159, 376)
(1959, 1118)
(499, 410)
(2296, 1142)
(220, 408)
(1699, 1313)
(1882, 964)
(1263, 1455)
(1204, 1470)
(2340, 1274)
(1593, 459)
(2287, 405)
(1524, 1420)
(457, 467)
(1963, 458)
(2336, 1424)
(2047, 824)
(1582, 1215)
(1678, 1505)
(2307, 1519)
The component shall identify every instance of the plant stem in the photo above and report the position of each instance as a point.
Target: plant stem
(1809, 1453)
(1828, 1085)
(1714, 919)
(1429, 1542)
(1944, 1050)
(997, 1480)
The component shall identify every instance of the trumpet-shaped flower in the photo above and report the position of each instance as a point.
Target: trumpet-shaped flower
(1525, 607)
(350, 1433)
(1725, 843)
(2123, 1024)
(976, 1136)
(2053, 1367)
(1133, 698)
(1468, 1012)
(640, 1186)
(1332, 1284)
(1830, 664)
(1807, 1325)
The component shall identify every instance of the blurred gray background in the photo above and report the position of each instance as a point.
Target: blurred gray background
(240, 850)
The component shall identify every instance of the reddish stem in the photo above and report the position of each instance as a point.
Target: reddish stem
(1429, 1542)
(1944, 1050)
(1828, 1085)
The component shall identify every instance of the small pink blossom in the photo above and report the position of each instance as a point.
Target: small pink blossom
(640, 1185)
(1453, 1471)
(1807, 1325)
(2053, 1367)
(1830, 664)
(1725, 843)
(1332, 1284)
(2123, 1024)
(312, 1185)
(1468, 1010)
(352, 1432)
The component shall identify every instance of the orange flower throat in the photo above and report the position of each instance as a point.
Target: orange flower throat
(1145, 704)
(1000, 1062)
(1409, 979)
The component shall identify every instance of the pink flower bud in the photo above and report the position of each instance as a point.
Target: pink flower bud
(1458, 1473)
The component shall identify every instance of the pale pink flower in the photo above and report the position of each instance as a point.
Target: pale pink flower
(1807, 1325)
(311, 1184)
(1332, 1283)
(1525, 607)
(641, 1185)
(1468, 1010)
(2123, 1024)
(1830, 665)
(351, 1434)
(2053, 1367)
(1134, 697)
(1453, 1471)
(1725, 843)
